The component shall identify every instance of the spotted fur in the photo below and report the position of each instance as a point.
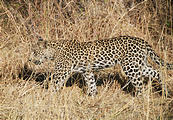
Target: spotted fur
(70, 56)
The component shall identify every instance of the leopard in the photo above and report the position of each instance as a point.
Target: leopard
(73, 56)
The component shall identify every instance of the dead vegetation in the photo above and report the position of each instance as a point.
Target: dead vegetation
(83, 20)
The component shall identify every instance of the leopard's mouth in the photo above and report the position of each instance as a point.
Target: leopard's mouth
(36, 62)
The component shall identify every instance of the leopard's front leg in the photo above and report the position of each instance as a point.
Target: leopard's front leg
(62, 72)
(91, 83)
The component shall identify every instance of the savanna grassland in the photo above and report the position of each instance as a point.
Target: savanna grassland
(24, 94)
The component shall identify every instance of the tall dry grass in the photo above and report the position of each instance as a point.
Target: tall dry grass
(84, 21)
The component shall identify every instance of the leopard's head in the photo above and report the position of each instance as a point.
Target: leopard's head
(40, 52)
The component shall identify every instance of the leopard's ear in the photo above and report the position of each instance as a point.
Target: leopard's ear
(42, 43)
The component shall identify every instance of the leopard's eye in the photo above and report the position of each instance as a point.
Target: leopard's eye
(53, 44)
(35, 53)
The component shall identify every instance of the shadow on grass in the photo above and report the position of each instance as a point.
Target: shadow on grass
(77, 78)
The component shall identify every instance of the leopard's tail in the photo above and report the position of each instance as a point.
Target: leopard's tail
(151, 53)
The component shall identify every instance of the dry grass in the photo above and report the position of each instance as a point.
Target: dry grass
(84, 21)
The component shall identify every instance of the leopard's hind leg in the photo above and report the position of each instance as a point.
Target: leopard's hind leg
(154, 75)
(133, 74)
